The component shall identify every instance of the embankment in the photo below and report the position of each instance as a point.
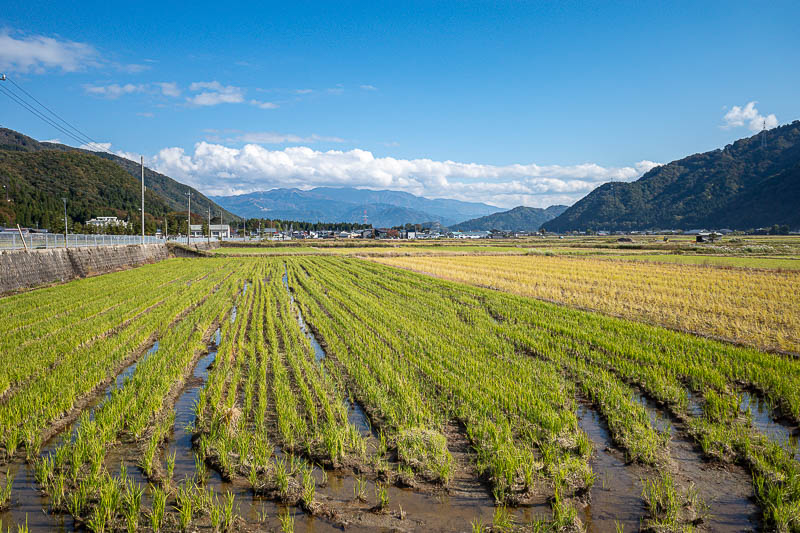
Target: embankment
(20, 269)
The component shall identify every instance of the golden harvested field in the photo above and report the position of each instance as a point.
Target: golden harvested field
(756, 307)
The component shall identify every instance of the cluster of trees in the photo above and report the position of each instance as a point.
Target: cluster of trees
(253, 225)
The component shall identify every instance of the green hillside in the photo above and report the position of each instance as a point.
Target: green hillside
(754, 182)
(518, 219)
(93, 187)
(172, 192)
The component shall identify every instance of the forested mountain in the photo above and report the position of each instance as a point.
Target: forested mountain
(346, 204)
(518, 219)
(754, 182)
(93, 187)
(171, 192)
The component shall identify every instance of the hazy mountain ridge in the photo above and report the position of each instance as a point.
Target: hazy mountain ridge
(518, 219)
(347, 204)
(744, 185)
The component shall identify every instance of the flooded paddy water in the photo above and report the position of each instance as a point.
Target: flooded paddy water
(726, 489)
(773, 427)
(616, 496)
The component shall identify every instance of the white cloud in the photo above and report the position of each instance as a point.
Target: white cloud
(263, 105)
(303, 91)
(146, 114)
(114, 90)
(106, 147)
(748, 115)
(132, 68)
(271, 137)
(218, 169)
(215, 93)
(369, 87)
(37, 53)
(169, 88)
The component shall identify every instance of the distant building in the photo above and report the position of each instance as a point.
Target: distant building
(106, 221)
(218, 231)
(708, 236)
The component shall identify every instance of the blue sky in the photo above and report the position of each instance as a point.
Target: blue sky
(507, 103)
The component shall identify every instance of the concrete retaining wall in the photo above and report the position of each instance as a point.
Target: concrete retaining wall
(23, 270)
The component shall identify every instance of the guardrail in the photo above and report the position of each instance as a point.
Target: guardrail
(13, 241)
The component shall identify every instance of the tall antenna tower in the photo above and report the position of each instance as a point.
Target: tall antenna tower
(364, 217)
(764, 135)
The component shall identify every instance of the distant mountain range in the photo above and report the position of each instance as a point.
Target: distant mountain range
(171, 192)
(754, 182)
(346, 204)
(518, 219)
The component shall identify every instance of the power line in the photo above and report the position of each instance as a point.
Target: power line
(79, 136)
(36, 113)
(53, 112)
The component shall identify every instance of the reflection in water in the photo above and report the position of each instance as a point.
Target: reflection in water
(761, 415)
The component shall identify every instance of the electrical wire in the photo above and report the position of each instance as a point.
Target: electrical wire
(79, 132)
(85, 141)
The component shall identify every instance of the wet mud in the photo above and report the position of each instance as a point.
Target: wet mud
(616, 496)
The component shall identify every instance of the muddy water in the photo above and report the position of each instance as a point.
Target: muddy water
(468, 500)
(616, 496)
(180, 443)
(28, 502)
(358, 418)
(726, 489)
(763, 420)
(319, 353)
(424, 512)
(250, 507)
(355, 413)
(29, 505)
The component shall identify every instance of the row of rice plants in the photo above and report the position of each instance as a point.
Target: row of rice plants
(24, 361)
(754, 307)
(667, 365)
(380, 379)
(97, 300)
(518, 411)
(76, 476)
(724, 432)
(233, 421)
(27, 415)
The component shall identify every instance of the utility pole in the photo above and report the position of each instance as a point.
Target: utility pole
(209, 226)
(141, 161)
(166, 229)
(189, 221)
(65, 221)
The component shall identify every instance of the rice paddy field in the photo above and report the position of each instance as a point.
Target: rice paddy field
(403, 393)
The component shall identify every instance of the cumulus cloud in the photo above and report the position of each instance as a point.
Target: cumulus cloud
(106, 147)
(218, 169)
(369, 87)
(213, 93)
(748, 115)
(37, 53)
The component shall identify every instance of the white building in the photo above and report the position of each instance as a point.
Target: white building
(218, 231)
(106, 221)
